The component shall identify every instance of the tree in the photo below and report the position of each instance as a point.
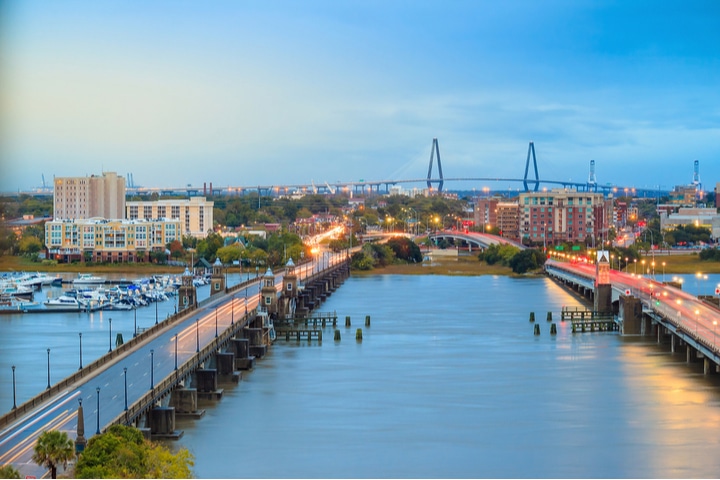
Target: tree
(52, 449)
(8, 471)
(123, 452)
(30, 245)
(526, 260)
(405, 249)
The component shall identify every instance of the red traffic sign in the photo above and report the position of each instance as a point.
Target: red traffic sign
(627, 292)
(717, 291)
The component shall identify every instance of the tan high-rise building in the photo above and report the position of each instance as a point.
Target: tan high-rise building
(195, 213)
(89, 197)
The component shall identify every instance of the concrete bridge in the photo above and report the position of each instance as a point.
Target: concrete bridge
(473, 239)
(647, 307)
(163, 371)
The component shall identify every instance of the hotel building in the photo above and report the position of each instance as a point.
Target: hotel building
(195, 214)
(88, 197)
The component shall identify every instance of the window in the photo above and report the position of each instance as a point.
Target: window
(289, 286)
(268, 300)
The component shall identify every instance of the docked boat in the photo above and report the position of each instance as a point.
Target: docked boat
(12, 304)
(13, 289)
(64, 302)
(88, 279)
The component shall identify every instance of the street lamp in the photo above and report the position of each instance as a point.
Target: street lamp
(635, 264)
(715, 333)
(216, 332)
(80, 334)
(197, 335)
(97, 431)
(48, 353)
(663, 265)
(13, 375)
(152, 368)
(156, 312)
(125, 377)
(110, 336)
(135, 324)
(176, 345)
(232, 311)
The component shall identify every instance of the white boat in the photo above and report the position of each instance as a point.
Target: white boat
(12, 289)
(88, 279)
(63, 301)
(12, 304)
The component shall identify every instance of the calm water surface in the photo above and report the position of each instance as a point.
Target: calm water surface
(449, 381)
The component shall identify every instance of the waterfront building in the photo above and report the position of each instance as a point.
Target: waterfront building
(89, 197)
(101, 240)
(195, 213)
(685, 195)
(563, 215)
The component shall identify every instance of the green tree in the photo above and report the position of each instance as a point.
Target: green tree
(30, 245)
(405, 249)
(230, 253)
(8, 471)
(122, 452)
(527, 260)
(53, 448)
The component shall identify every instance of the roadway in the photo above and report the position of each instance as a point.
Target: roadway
(684, 310)
(144, 370)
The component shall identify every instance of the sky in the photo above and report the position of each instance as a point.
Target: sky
(269, 92)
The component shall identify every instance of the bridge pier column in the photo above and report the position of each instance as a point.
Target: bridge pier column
(185, 402)
(688, 355)
(706, 366)
(162, 423)
(206, 380)
(241, 348)
(631, 310)
(672, 343)
(225, 362)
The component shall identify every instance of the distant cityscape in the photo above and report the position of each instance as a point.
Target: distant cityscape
(94, 221)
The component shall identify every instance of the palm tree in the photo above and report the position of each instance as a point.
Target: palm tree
(8, 471)
(53, 448)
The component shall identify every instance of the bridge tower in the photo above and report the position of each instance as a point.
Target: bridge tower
(603, 289)
(268, 293)
(217, 280)
(290, 292)
(435, 150)
(592, 181)
(187, 296)
(531, 150)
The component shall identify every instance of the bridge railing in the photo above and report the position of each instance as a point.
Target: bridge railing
(166, 385)
(92, 367)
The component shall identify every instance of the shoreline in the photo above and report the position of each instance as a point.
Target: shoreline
(460, 266)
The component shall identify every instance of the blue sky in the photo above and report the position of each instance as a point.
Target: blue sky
(274, 92)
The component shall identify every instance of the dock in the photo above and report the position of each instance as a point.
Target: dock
(589, 321)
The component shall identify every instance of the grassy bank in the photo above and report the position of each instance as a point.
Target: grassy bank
(460, 266)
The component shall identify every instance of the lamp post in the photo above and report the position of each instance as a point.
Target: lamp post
(635, 263)
(715, 333)
(80, 334)
(176, 345)
(110, 335)
(97, 390)
(197, 335)
(232, 311)
(156, 312)
(216, 331)
(125, 378)
(663, 264)
(13, 376)
(152, 368)
(135, 324)
(626, 262)
(48, 353)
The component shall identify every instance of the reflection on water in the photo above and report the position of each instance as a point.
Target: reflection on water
(449, 381)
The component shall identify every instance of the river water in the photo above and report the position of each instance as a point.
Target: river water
(448, 382)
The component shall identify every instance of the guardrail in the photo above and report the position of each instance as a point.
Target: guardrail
(166, 385)
(89, 369)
